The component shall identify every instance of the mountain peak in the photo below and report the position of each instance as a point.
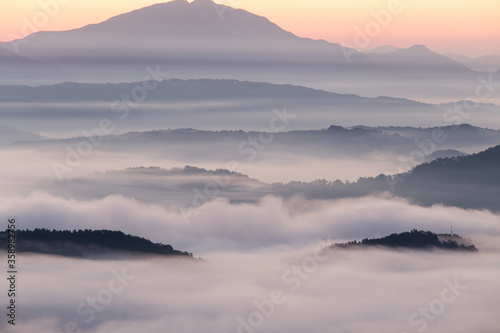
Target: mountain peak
(206, 6)
(384, 49)
(419, 48)
(201, 2)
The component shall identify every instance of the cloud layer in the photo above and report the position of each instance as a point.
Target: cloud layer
(265, 271)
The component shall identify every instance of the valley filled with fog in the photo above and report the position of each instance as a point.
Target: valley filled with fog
(255, 150)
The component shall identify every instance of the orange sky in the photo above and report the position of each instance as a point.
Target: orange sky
(470, 27)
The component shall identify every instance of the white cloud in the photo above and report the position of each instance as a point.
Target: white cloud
(251, 251)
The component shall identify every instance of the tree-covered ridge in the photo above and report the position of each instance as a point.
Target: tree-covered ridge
(415, 239)
(80, 243)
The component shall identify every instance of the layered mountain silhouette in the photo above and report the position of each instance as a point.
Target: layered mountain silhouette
(172, 29)
(179, 32)
(420, 58)
(220, 104)
(463, 181)
(175, 90)
(9, 135)
(201, 89)
(488, 63)
(383, 49)
(194, 40)
(193, 146)
(15, 69)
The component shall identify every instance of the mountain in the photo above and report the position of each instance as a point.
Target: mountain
(415, 239)
(88, 243)
(179, 25)
(464, 181)
(177, 90)
(383, 49)
(176, 186)
(15, 69)
(10, 135)
(194, 40)
(457, 57)
(473, 108)
(488, 63)
(216, 105)
(448, 153)
(201, 90)
(334, 143)
(469, 182)
(496, 76)
(205, 104)
(420, 58)
(7, 55)
(180, 32)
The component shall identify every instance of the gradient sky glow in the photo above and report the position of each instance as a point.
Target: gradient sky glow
(469, 27)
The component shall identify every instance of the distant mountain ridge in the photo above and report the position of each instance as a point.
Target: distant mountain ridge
(487, 63)
(464, 181)
(332, 142)
(469, 182)
(9, 135)
(15, 69)
(177, 89)
(173, 23)
(193, 41)
(419, 57)
(173, 89)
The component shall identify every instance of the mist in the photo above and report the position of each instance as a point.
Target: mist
(214, 130)
(251, 261)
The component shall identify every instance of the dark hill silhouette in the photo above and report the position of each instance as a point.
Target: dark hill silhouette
(175, 89)
(464, 181)
(84, 243)
(415, 239)
(470, 181)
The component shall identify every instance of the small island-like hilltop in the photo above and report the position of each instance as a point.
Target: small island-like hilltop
(415, 239)
(87, 243)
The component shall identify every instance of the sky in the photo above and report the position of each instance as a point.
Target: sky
(469, 27)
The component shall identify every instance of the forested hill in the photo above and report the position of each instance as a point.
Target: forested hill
(416, 239)
(84, 243)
